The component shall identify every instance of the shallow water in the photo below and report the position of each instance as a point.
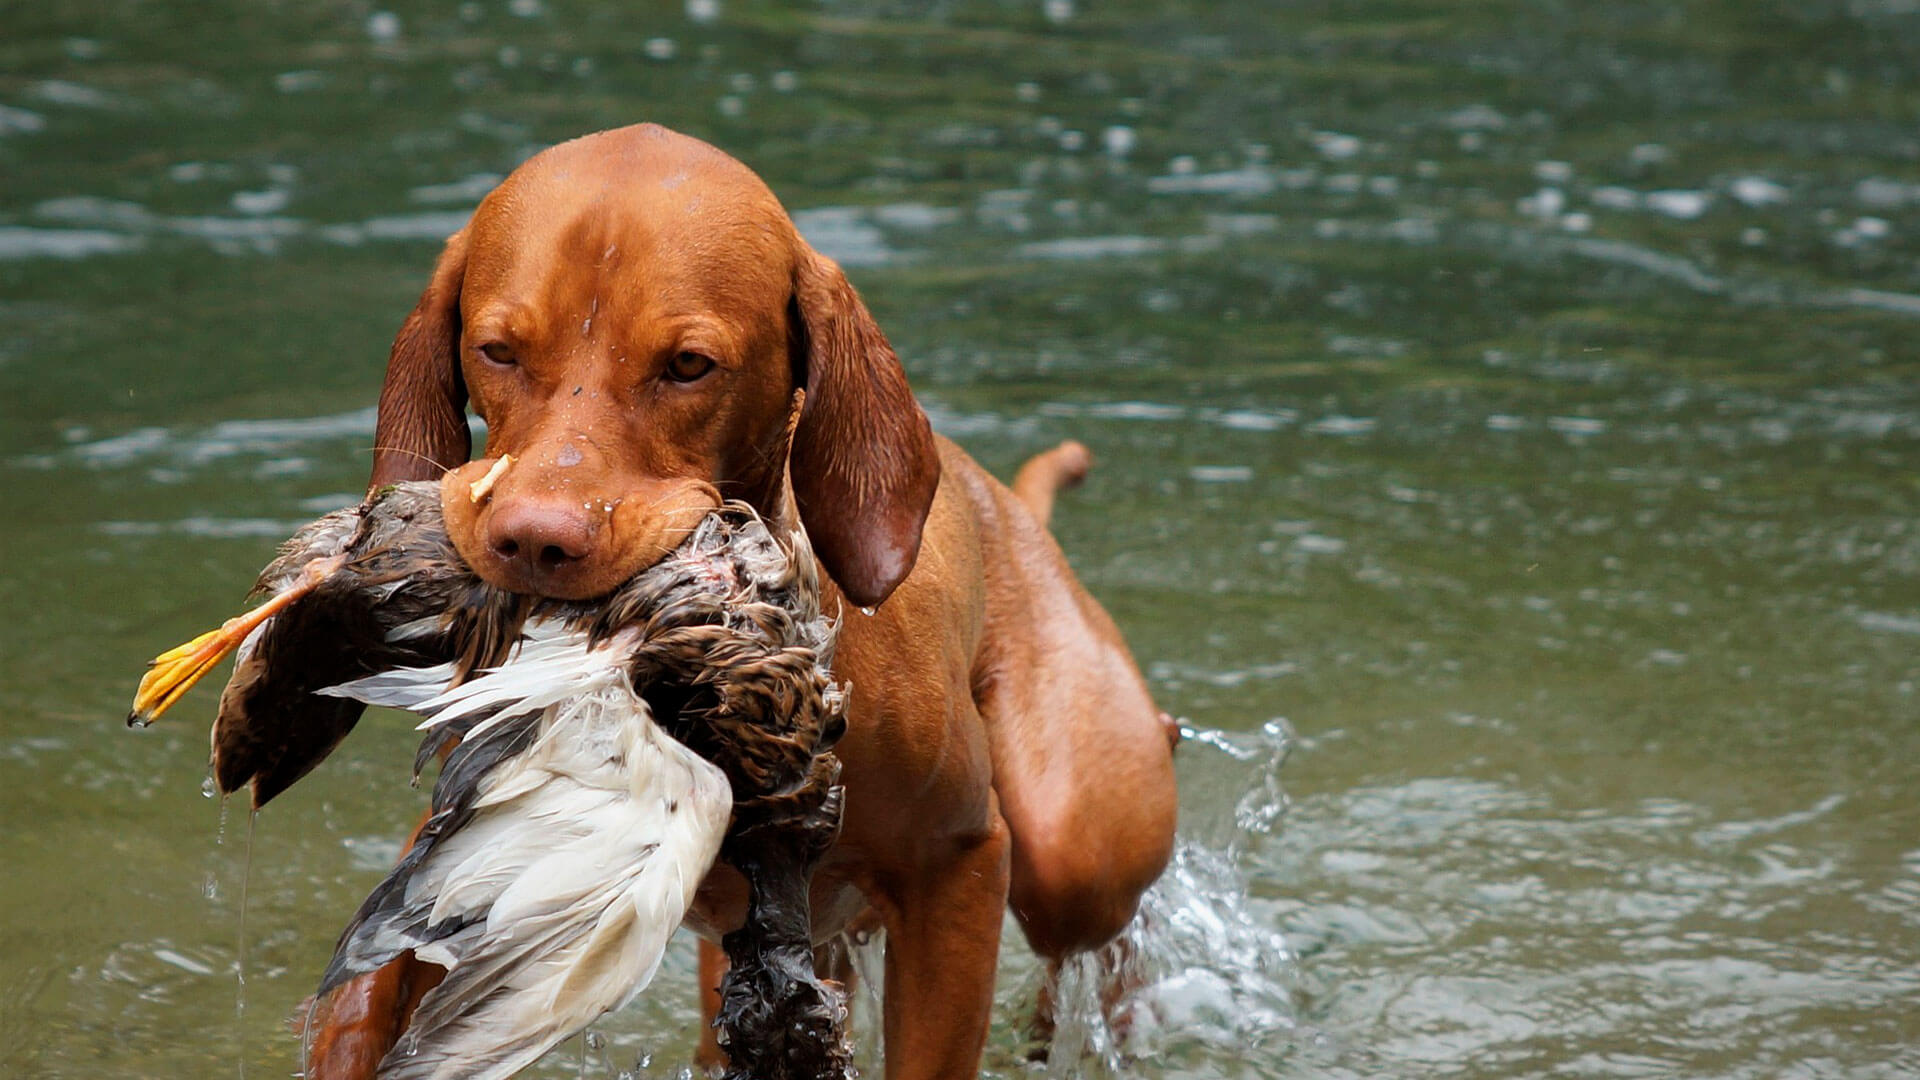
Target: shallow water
(1510, 406)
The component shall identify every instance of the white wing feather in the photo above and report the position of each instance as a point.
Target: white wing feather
(580, 860)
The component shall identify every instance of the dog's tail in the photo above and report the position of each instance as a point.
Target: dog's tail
(1048, 472)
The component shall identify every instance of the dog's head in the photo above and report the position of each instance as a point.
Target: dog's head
(631, 313)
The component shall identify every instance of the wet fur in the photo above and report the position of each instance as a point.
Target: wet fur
(1003, 751)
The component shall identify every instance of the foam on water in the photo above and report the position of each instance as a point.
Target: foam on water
(218, 442)
(846, 235)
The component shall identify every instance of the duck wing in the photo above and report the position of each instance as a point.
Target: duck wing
(568, 837)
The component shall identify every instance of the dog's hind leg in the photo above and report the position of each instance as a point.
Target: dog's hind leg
(1082, 757)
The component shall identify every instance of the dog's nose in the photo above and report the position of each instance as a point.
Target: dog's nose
(539, 538)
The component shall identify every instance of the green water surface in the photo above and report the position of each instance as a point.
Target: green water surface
(1509, 405)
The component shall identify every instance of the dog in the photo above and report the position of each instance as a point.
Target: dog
(645, 334)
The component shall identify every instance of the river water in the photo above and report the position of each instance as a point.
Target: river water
(1506, 415)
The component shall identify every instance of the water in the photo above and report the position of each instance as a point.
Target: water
(1515, 402)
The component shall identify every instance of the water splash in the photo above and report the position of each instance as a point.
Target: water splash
(1201, 973)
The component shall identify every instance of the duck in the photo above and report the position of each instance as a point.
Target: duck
(598, 756)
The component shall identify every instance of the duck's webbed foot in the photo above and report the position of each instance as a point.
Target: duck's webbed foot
(778, 1020)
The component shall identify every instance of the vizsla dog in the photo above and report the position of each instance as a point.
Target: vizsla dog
(645, 334)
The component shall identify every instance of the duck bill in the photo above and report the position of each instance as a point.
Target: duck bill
(174, 672)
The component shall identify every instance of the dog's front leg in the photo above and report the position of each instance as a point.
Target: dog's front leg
(943, 943)
(348, 1032)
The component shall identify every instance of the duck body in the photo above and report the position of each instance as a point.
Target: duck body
(598, 757)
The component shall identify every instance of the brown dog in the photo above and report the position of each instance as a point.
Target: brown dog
(632, 313)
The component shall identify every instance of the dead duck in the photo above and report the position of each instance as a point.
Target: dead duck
(600, 754)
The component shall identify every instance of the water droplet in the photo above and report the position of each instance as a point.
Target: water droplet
(866, 610)
(596, 1041)
(240, 947)
(383, 27)
(207, 788)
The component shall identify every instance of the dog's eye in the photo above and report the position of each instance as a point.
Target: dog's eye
(498, 353)
(688, 367)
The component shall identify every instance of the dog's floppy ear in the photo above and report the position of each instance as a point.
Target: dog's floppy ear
(422, 429)
(864, 466)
